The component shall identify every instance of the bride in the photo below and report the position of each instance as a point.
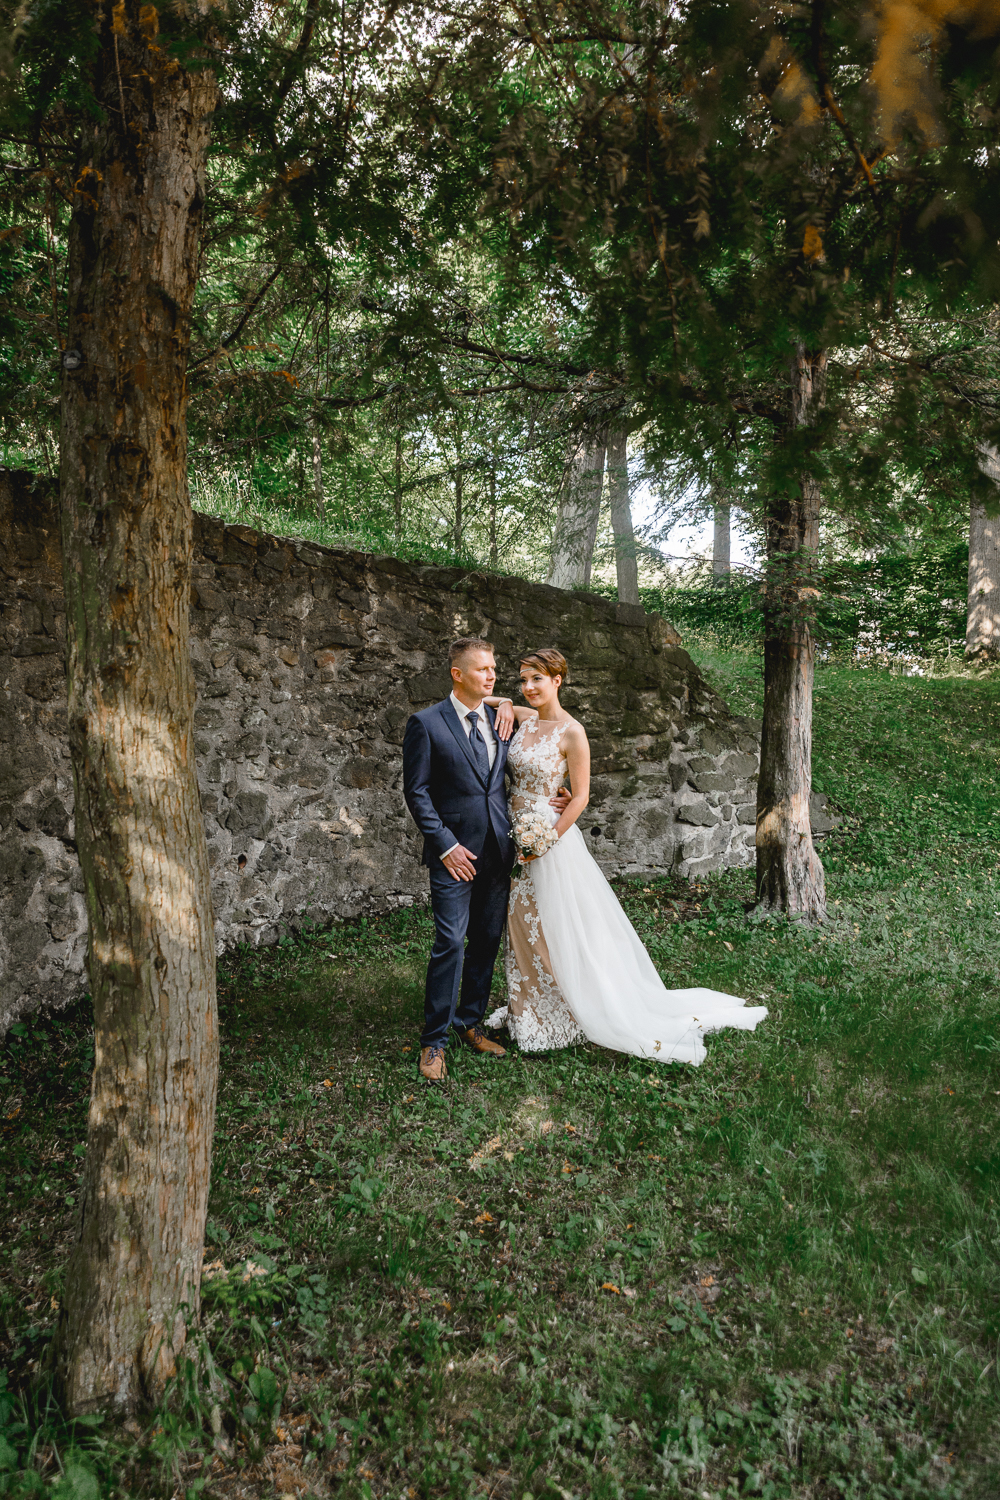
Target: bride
(576, 970)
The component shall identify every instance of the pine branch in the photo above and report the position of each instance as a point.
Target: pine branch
(247, 315)
(293, 66)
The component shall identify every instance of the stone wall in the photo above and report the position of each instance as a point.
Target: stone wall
(308, 662)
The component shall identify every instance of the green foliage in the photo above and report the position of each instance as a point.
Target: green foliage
(239, 503)
(728, 614)
(901, 604)
(695, 193)
(911, 603)
(430, 292)
(350, 361)
(43, 1454)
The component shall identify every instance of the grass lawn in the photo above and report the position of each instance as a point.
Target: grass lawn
(581, 1274)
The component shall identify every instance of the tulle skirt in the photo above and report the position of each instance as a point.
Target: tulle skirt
(604, 974)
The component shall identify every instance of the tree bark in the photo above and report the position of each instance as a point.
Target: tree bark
(494, 548)
(575, 533)
(626, 565)
(982, 630)
(134, 1273)
(459, 517)
(397, 497)
(789, 873)
(720, 539)
(318, 491)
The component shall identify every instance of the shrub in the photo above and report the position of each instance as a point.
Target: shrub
(911, 604)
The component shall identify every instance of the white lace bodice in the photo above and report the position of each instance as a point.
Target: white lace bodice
(537, 761)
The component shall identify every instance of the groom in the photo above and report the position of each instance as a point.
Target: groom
(454, 761)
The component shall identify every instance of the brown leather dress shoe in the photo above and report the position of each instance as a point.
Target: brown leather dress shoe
(477, 1039)
(431, 1064)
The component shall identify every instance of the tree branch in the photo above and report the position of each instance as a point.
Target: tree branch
(302, 46)
(247, 315)
(469, 346)
(823, 79)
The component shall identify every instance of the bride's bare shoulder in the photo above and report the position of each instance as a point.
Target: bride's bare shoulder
(574, 733)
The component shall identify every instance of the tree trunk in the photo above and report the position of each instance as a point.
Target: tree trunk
(575, 533)
(134, 1273)
(720, 539)
(318, 491)
(459, 518)
(397, 497)
(789, 873)
(626, 565)
(494, 550)
(982, 630)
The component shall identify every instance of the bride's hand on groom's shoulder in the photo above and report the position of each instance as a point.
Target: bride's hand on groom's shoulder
(505, 719)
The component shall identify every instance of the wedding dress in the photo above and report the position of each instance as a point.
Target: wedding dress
(576, 969)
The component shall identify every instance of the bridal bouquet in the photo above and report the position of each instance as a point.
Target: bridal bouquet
(533, 832)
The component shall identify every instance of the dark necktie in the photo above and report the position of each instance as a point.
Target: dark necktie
(478, 744)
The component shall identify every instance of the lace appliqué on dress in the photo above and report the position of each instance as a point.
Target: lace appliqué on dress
(537, 1014)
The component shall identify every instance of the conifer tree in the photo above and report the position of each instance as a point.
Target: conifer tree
(738, 200)
(136, 192)
(115, 106)
(626, 562)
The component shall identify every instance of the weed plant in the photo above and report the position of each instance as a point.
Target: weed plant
(898, 606)
(580, 1274)
(238, 502)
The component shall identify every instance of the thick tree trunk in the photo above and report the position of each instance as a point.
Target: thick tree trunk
(575, 533)
(134, 1274)
(397, 497)
(982, 630)
(626, 566)
(789, 873)
(720, 539)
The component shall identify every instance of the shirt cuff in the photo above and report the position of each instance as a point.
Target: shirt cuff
(449, 851)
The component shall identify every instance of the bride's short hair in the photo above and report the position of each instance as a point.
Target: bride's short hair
(551, 661)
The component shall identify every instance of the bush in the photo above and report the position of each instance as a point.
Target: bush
(911, 604)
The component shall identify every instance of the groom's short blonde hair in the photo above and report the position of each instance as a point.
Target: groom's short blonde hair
(465, 643)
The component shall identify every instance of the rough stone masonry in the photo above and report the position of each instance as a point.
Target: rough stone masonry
(308, 661)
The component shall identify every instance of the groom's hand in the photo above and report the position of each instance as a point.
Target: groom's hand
(561, 798)
(460, 863)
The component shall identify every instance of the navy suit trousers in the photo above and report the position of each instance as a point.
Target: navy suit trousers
(459, 976)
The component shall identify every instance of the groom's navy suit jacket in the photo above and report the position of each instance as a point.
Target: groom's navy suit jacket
(446, 792)
(454, 802)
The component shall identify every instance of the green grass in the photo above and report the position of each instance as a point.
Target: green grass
(582, 1274)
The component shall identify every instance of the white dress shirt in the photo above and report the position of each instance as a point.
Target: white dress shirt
(485, 729)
